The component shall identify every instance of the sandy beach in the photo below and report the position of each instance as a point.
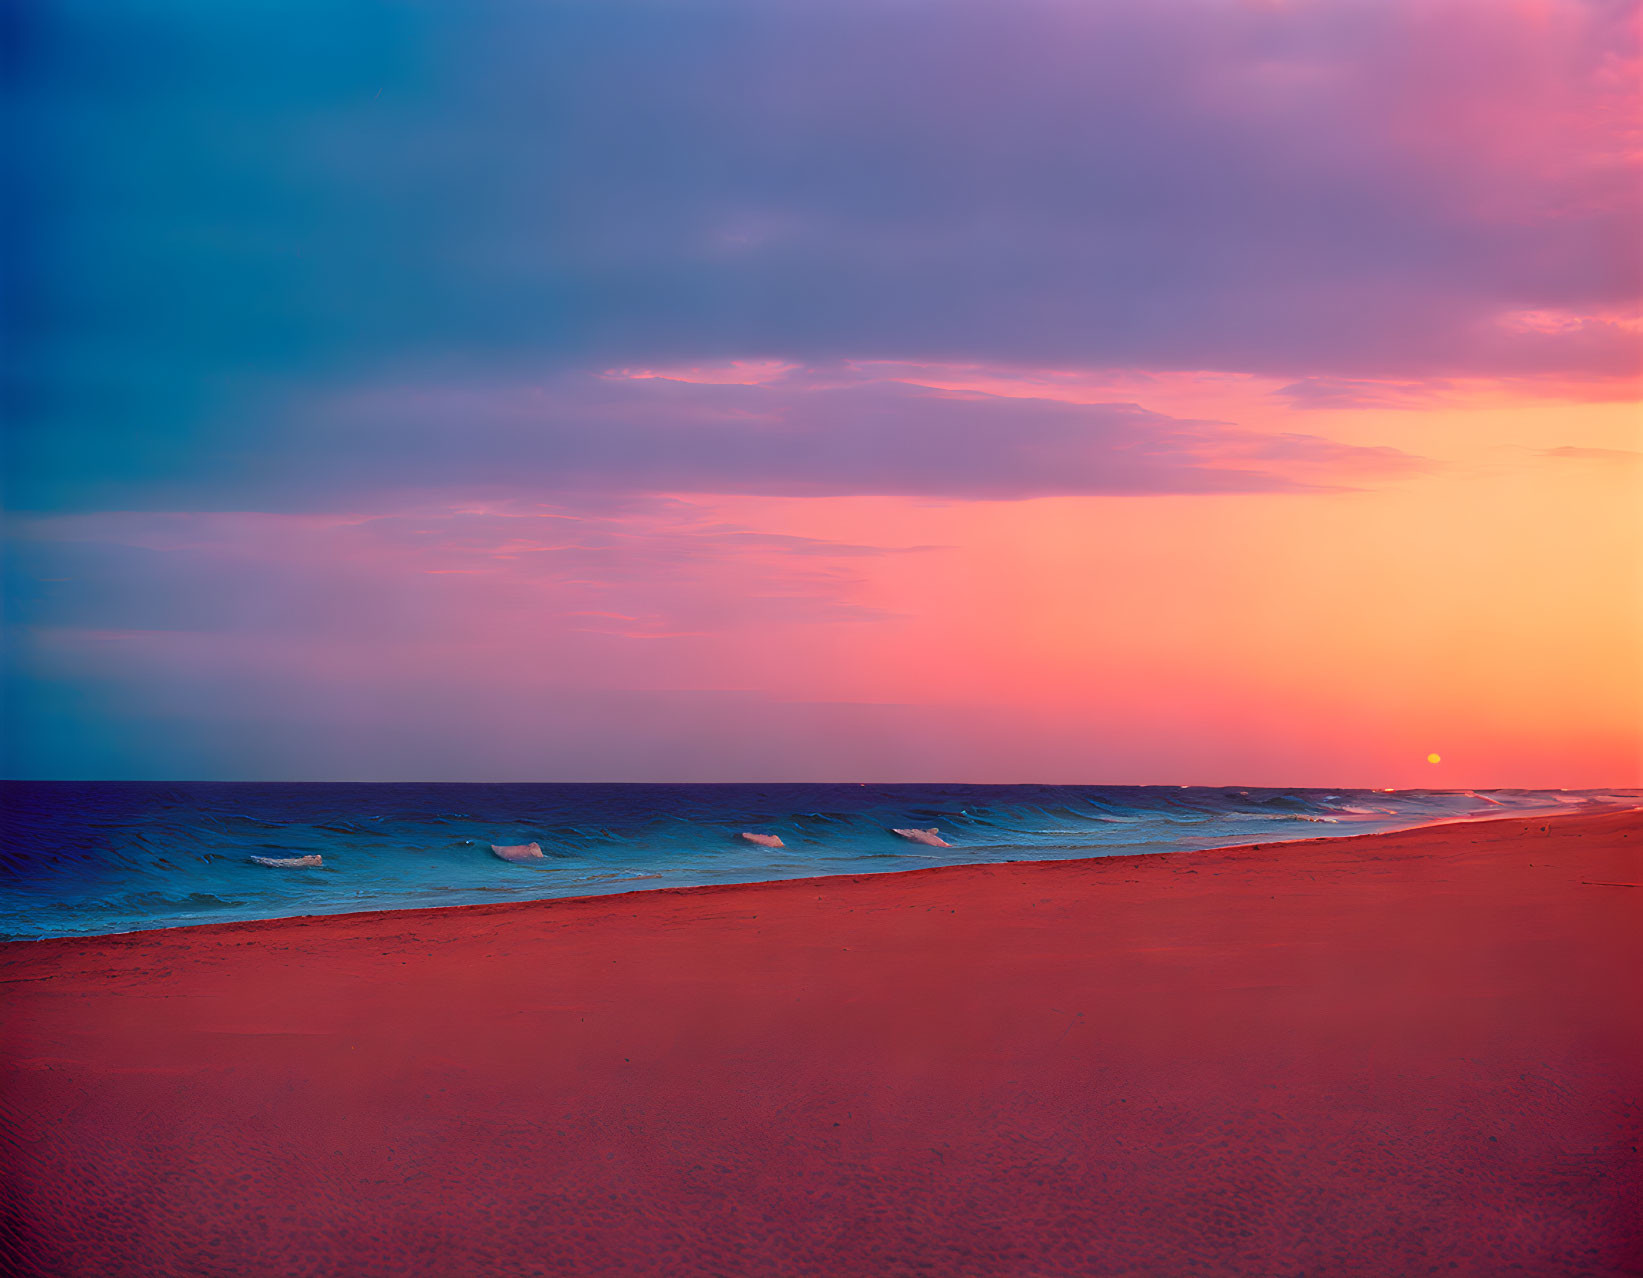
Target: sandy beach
(1405, 1053)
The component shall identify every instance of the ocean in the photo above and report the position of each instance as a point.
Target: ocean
(88, 858)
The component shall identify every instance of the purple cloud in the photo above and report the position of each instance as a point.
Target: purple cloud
(1340, 392)
(804, 434)
(1402, 191)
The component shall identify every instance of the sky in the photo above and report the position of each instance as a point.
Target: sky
(1226, 392)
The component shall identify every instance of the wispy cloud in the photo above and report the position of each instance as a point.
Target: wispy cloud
(596, 440)
(1340, 392)
(1616, 456)
(659, 567)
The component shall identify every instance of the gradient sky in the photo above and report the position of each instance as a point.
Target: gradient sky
(1208, 391)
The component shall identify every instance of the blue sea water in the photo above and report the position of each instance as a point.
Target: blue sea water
(83, 858)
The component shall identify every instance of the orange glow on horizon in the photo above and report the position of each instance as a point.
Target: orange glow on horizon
(1496, 602)
(1492, 601)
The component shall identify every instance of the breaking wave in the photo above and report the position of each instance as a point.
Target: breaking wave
(99, 857)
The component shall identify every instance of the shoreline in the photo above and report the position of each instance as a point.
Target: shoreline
(1597, 809)
(1400, 1052)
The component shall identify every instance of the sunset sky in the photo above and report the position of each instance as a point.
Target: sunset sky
(1209, 391)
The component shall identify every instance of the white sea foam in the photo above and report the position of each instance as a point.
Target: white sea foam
(517, 853)
(764, 840)
(930, 838)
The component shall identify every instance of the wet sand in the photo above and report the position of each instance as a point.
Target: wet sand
(1397, 1054)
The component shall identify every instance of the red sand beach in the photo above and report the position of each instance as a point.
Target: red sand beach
(1397, 1054)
